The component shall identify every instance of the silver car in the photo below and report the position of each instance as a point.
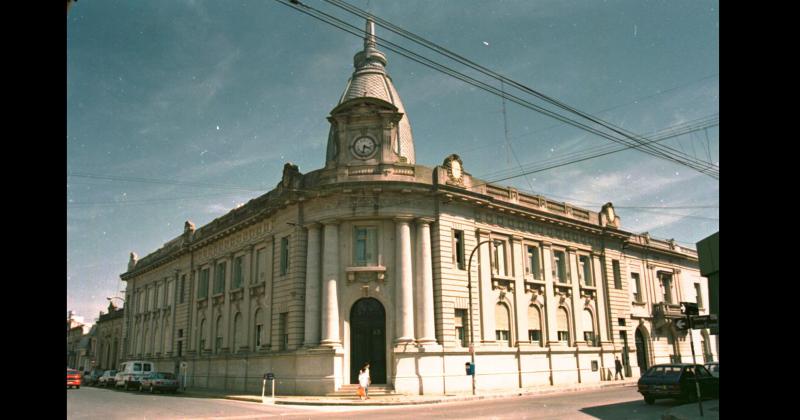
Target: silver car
(159, 381)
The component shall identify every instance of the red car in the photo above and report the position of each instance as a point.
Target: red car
(73, 378)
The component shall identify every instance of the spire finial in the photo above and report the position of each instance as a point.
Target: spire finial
(369, 35)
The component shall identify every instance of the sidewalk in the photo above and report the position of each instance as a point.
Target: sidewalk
(398, 399)
(692, 411)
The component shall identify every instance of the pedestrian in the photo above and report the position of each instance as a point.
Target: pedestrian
(363, 381)
(618, 368)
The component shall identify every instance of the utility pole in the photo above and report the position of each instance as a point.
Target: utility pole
(472, 330)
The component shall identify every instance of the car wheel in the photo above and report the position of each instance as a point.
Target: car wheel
(649, 400)
(77, 387)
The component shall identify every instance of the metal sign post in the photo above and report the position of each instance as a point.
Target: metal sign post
(691, 310)
(696, 376)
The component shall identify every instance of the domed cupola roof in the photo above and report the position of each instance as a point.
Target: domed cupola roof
(370, 79)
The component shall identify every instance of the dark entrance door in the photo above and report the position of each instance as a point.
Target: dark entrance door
(641, 351)
(368, 340)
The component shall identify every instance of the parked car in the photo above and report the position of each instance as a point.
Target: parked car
(713, 368)
(107, 378)
(677, 380)
(92, 377)
(132, 373)
(73, 378)
(159, 381)
(119, 380)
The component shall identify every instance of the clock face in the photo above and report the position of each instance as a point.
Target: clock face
(364, 147)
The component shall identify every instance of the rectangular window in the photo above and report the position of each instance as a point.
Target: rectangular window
(636, 287)
(617, 278)
(260, 276)
(218, 345)
(202, 288)
(563, 336)
(182, 292)
(666, 283)
(366, 246)
(259, 328)
(499, 262)
(586, 270)
(180, 348)
(588, 336)
(461, 326)
(560, 266)
(219, 278)
(699, 293)
(237, 272)
(501, 335)
(202, 344)
(459, 249)
(621, 322)
(284, 255)
(284, 330)
(534, 265)
(535, 336)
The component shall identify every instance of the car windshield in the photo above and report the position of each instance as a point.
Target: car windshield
(664, 371)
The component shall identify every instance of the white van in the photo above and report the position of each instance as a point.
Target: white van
(131, 372)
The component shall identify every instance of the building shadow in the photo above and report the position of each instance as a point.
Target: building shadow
(631, 410)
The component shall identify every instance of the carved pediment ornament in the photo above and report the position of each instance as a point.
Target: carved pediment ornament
(455, 169)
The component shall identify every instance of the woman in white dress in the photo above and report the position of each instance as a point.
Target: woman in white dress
(364, 380)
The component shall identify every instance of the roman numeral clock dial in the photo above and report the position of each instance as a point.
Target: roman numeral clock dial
(364, 147)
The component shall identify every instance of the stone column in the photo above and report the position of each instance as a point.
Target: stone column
(550, 299)
(577, 302)
(600, 283)
(312, 300)
(520, 304)
(426, 329)
(404, 319)
(330, 279)
(487, 301)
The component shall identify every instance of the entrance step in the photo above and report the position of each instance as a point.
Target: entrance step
(350, 390)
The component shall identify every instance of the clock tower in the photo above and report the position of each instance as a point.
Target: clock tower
(369, 126)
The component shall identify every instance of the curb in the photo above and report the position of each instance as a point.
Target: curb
(433, 400)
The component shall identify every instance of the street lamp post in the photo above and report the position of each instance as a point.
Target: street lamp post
(472, 330)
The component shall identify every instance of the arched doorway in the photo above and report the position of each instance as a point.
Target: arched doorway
(368, 339)
(641, 351)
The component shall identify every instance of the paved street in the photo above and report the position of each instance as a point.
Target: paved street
(605, 404)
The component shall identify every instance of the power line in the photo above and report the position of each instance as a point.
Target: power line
(700, 166)
(591, 153)
(663, 151)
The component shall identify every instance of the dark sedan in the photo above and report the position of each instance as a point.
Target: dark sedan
(677, 381)
(159, 381)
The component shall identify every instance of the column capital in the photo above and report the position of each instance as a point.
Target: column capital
(484, 232)
(332, 221)
(546, 244)
(425, 220)
(516, 238)
(572, 249)
(403, 219)
(312, 225)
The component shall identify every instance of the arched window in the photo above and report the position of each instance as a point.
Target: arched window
(534, 325)
(562, 325)
(588, 328)
(156, 339)
(237, 333)
(202, 337)
(259, 328)
(218, 330)
(167, 336)
(502, 330)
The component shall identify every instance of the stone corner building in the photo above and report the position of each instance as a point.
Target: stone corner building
(366, 259)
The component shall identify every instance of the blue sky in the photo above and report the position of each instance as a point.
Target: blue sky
(184, 109)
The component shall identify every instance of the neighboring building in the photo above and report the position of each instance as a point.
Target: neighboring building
(366, 259)
(75, 332)
(708, 253)
(109, 337)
